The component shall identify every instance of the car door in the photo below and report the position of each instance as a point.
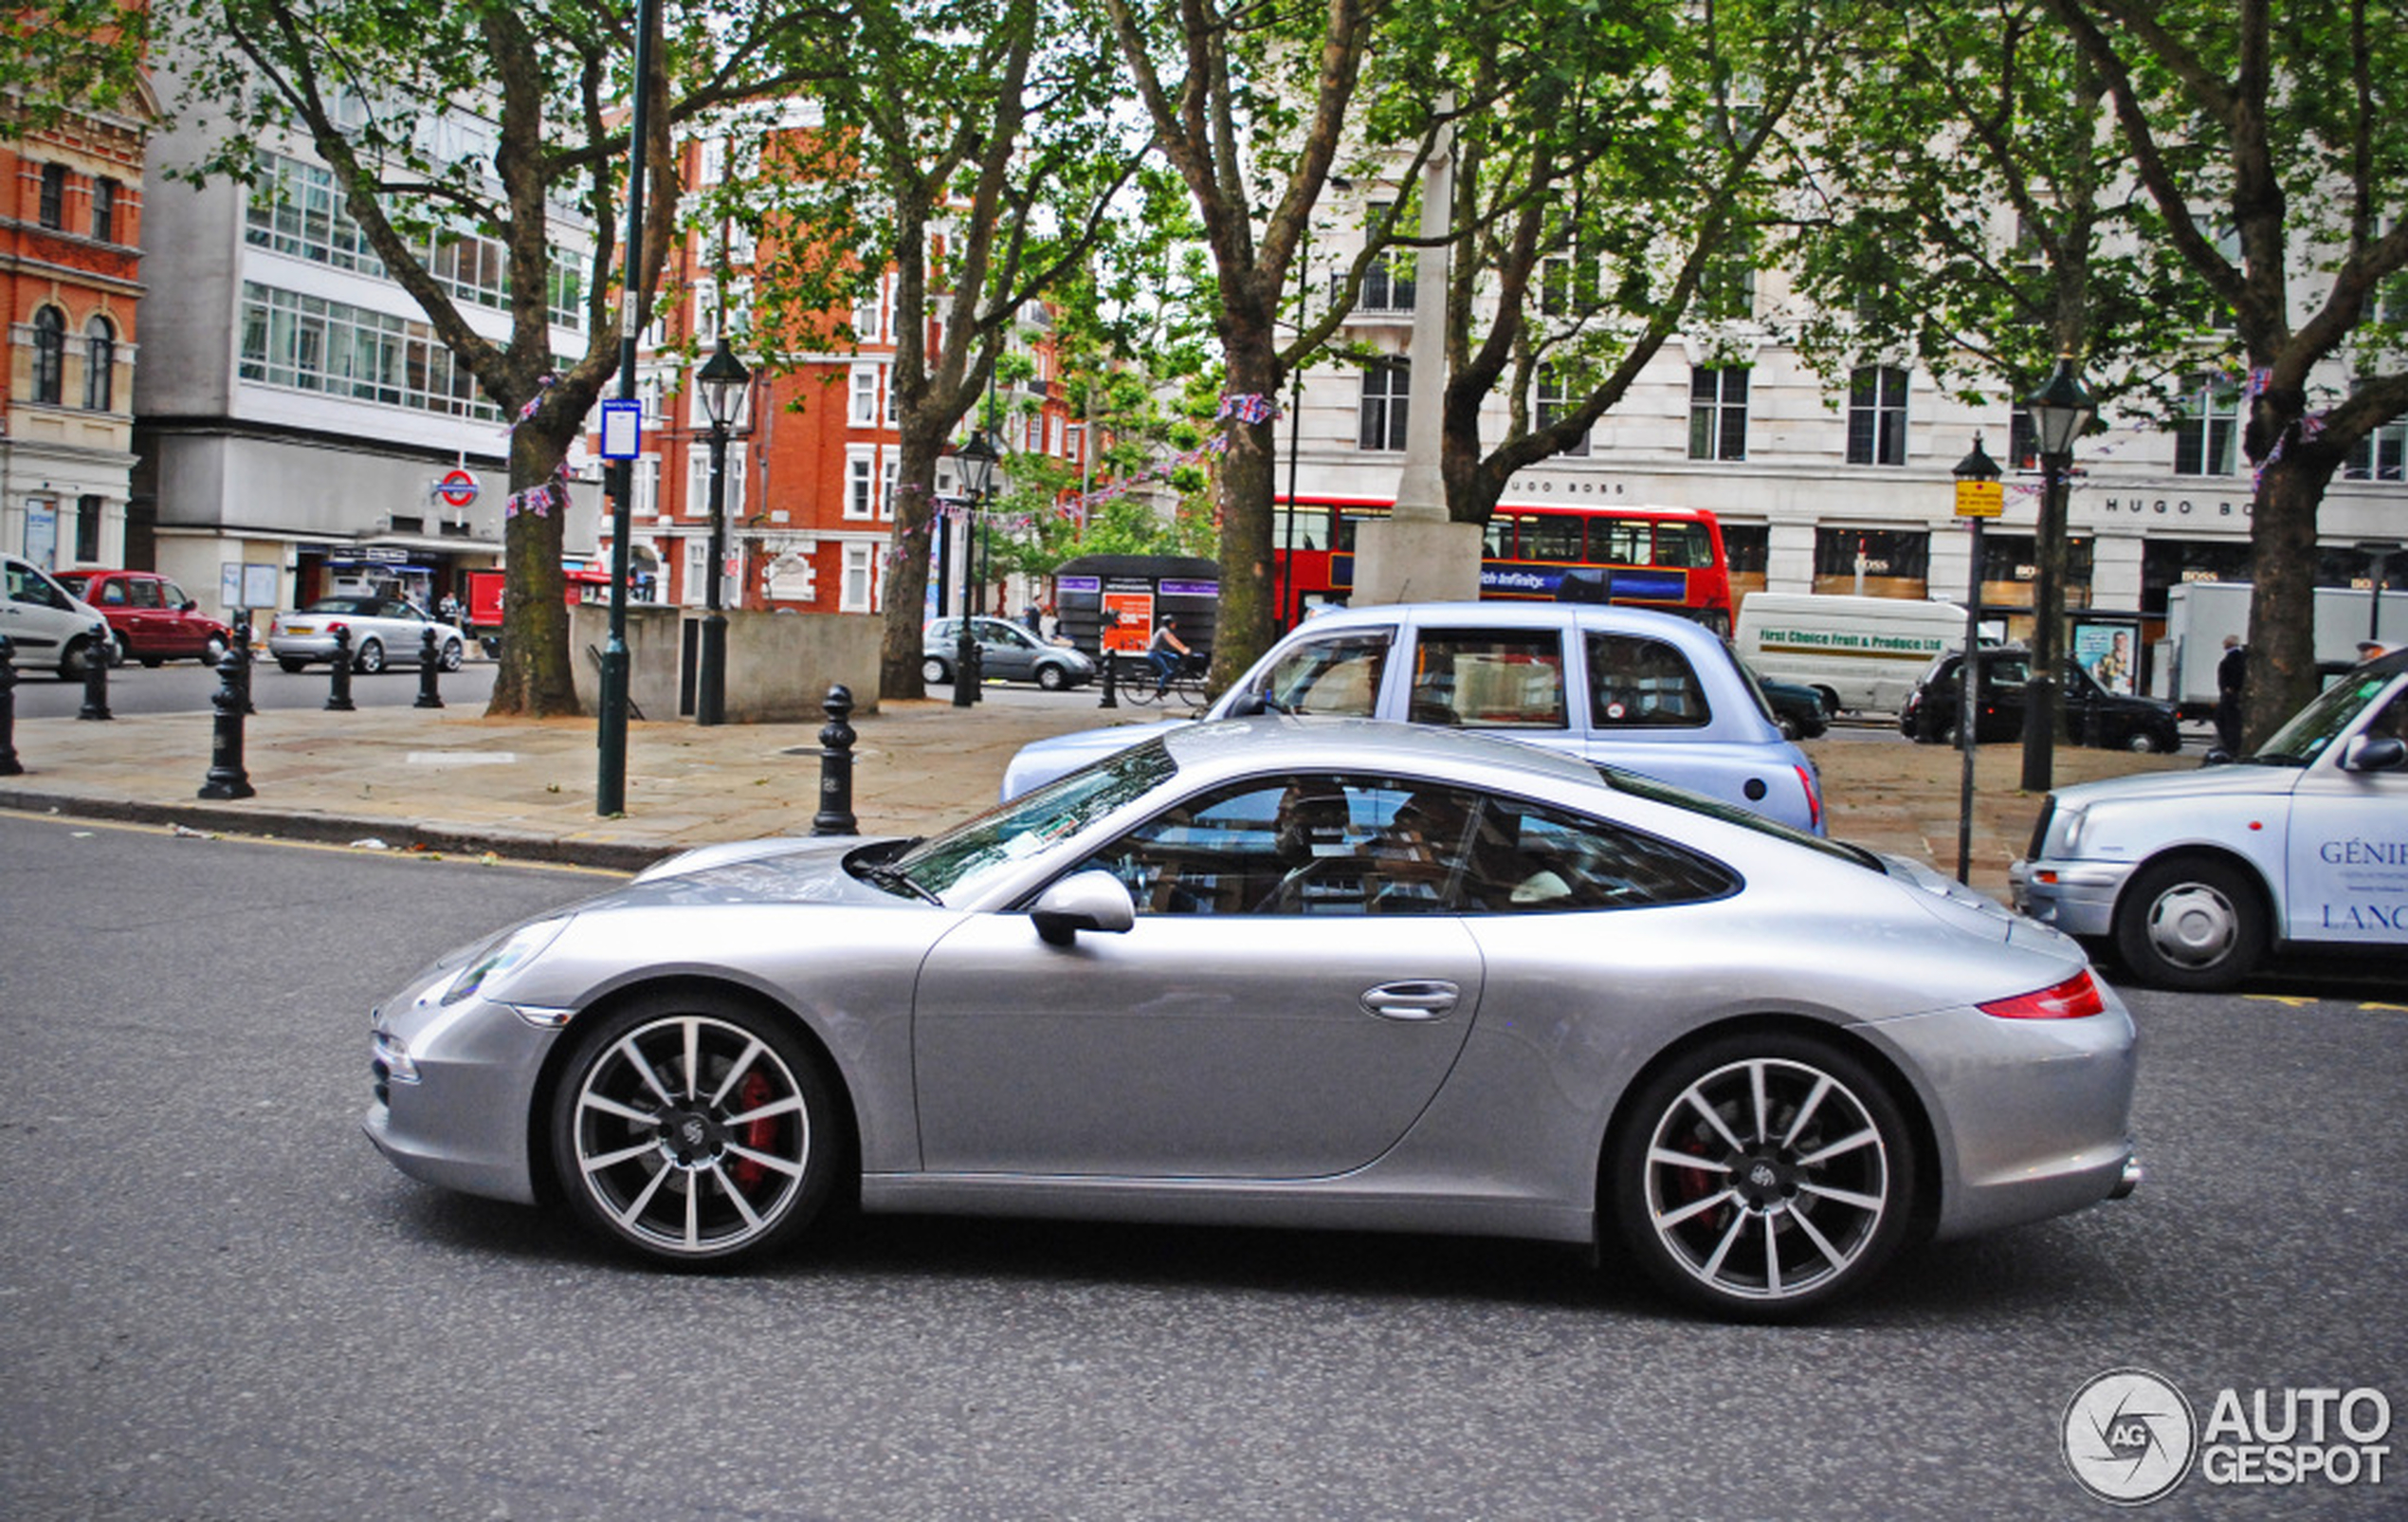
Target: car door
(2347, 851)
(1291, 996)
(1005, 651)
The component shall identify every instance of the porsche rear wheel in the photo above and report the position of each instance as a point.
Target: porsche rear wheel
(695, 1129)
(1763, 1174)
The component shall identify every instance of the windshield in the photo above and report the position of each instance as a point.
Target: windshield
(2323, 720)
(1012, 832)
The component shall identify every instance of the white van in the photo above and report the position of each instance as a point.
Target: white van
(46, 624)
(1858, 652)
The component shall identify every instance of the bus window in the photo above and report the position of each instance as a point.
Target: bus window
(1551, 538)
(1303, 529)
(1683, 544)
(1496, 540)
(1624, 542)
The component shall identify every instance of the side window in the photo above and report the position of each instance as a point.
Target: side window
(1502, 679)
(1639, 683)
(173, 594)
(1561, 861)
(2012, 670)
(113, 593)
(141, 593)
(1551, 538)
(1335, 676)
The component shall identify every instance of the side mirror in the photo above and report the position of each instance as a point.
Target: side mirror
(2373, 753)
(1094, 900)
(188, 606)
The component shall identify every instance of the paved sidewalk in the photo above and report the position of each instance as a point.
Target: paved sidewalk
(454, 782)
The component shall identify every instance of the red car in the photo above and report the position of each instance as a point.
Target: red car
(150, 617)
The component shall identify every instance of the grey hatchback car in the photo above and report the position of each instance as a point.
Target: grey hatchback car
(1007, 652)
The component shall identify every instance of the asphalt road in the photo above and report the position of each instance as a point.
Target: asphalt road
(216, 1301)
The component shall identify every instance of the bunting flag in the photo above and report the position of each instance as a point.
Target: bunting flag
(542, 384)
(539, 498)
(1247, 407)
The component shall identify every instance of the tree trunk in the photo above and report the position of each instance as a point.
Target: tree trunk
(536, 675)
(2282, 637)
(1247, 617)
(900, 650)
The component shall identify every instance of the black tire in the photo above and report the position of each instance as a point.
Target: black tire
(369, 658)
(1052, 678)
(695, 1183)
(121, 650)
(291, 666)
(1789, 1208)
(452, 655)
(2141, 743)
(933, 670)
(2192, 923)
(72, 658)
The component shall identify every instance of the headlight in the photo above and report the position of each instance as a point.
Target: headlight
(2069, 822)
(496, 961)
(393, 1058)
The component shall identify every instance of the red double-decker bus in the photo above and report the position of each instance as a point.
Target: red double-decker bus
(1668, 558)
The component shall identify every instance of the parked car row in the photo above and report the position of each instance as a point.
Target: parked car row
(2093, 715)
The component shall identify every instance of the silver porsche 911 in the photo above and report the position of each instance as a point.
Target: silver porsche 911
(1291, 972)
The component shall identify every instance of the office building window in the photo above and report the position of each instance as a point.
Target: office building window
(1557, 397)
(2381, 455)
(1387, 397)
(52, 209)
(2207, 434)
(1718, 412)
(105, 210)
(50, 355)
(1877, 415)
(100, 365)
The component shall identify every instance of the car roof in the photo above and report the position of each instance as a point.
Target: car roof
(1315, 743)
(1516, 615)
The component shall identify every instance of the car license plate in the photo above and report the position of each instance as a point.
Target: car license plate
(301, 629)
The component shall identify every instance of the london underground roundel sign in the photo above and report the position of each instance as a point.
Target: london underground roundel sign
(457, 488)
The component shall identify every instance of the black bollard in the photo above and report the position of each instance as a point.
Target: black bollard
(95, 676)
(8, 763)
(240, 643)
(429, 673)
(1111, 697)
(836, 816)
(227, 778)
(339, 682)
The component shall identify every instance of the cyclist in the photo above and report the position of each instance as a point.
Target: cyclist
(1166, 651)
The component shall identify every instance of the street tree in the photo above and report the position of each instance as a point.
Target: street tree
(511, 122)
(1608, 198)
(67, 58)
(2274, 142)
(970, 153)
(1252, 106)
(1971, 217)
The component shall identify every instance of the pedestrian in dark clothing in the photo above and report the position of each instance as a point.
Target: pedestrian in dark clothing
(2230, 673)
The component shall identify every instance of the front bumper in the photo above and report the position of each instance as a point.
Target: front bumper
(464, 1123)
(2078, 897)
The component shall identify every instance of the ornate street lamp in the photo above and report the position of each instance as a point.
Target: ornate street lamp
(721, 382)
(978, 461)
(2060, 410)
(1977, 501)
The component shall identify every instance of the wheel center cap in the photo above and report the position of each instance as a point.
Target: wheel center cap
(1763, 1180)
(690, 1137)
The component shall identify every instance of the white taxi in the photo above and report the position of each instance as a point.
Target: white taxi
(2196, 876)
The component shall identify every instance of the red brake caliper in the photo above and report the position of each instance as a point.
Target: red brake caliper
(758, 1135)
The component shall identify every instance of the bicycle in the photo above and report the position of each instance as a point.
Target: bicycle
(1143, 685)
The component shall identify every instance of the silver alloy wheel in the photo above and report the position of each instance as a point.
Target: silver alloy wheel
(933, 670)
(1766, 1180)
(2192, 925)
(452, 655)
(370, 658)
(691, 1135)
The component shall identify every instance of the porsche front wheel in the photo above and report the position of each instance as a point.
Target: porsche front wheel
(694, 1131)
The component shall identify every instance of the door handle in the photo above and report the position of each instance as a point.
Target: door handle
(1417, 999)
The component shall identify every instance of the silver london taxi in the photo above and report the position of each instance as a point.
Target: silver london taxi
(2196, 876)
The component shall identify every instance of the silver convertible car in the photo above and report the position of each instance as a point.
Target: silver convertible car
(384, 631)
(1289, 972)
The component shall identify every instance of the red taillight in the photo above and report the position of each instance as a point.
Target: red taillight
(2071, 999)
(1813, 798)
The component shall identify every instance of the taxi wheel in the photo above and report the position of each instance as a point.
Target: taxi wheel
(1763, 1174)
(2193, 925)
(695, 1129)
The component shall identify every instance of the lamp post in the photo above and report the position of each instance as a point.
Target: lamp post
(2377, 551)
(2060, 410)
(610, 789)
(978, 460)
(721, 381)
(1978, 500)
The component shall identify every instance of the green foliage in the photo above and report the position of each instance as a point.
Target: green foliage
(66, 57)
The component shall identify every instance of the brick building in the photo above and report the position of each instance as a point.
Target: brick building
(70, 276)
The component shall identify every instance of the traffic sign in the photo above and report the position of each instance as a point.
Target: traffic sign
(1980, 498)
